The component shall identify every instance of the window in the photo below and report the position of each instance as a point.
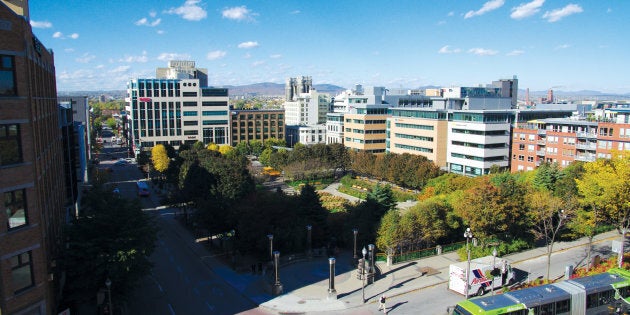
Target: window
(22, 272)
(190, 113)
(191, 123)
(15, 205)
(10, 144)
(189, 94)
(7, 76)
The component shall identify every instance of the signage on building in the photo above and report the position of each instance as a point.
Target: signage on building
(144, 99)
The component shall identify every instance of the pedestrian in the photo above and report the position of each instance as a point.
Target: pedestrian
(381, 304)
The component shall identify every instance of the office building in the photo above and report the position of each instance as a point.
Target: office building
(32, 186)
(418, 131)
(248, 125)
(175, 111)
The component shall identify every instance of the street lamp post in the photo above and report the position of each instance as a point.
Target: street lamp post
(363, 251)
(372, 270)
(494, 257)
(108, 284)
(270, 237)
(277, 286)
(309, 239)
(355, 231)
(468, 235)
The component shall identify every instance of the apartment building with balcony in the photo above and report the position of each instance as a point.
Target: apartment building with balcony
(248, 125)
(613, 132)
(32, 186)
(564, 141)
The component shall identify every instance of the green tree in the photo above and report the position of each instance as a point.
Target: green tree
(388, 235)
(310, 209)
(256, 147)
(111, 123)
(265, 156)
(339, 157)
(112, 238)
(384, 196)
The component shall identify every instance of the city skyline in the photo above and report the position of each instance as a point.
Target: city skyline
(563, 45)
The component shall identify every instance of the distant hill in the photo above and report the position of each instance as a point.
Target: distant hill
(273, 89)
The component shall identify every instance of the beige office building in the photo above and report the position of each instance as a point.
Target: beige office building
(365, 128)
(418, 131)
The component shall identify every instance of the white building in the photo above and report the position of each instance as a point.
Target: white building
(175, 111)
(307, 109)
(477, 140)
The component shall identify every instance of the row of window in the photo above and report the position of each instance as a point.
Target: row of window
(482, 132)
(258, 116)
(258, 123)
(479, 158)
(414, 126)
(479, 145)
(205, 113)
(413, 148)
(413, 137)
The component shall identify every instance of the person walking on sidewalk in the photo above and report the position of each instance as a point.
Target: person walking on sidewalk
(381, 304)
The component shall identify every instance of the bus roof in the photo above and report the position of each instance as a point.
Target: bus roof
(492, 304)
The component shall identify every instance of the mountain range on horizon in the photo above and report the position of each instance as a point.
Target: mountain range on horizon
(277, 89)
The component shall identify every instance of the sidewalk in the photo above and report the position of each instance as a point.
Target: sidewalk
(305, 283)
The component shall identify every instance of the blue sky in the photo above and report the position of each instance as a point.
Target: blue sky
(565, 45)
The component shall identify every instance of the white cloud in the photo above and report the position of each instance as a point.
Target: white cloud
(69, 50)
(563, 46)
(257, 63)
(152, 14)
(247, 45)
(276, 56)
(61, 36)
(41, 24)
(120, 69)
(159, 32)
(526, 9)
(217, 54)
(189, 11)
(295, 12)
(558, 14)
(86, 58)
(143, 58)
(441, 22)
(247, 56)
(487, 7)
(515, 52)
(241, 13)
(482, 52)
(447, 50)
(173, 56)
(145, 22)
(609, 10)
(451, 13)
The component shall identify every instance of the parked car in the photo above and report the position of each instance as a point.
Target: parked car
(120, 162)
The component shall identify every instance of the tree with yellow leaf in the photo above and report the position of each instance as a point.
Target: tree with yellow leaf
(225, 149)
(159, 157)
(213, 147)
(606, 187)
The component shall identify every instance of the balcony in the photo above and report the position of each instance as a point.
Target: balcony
(588, 135)
(541, 142)
(542, 131)
(585, 157)
(540, 152)
(590, 146)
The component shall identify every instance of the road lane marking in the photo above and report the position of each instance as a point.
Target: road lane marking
(170, 307)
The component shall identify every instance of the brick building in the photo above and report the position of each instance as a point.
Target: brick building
(32, 186)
